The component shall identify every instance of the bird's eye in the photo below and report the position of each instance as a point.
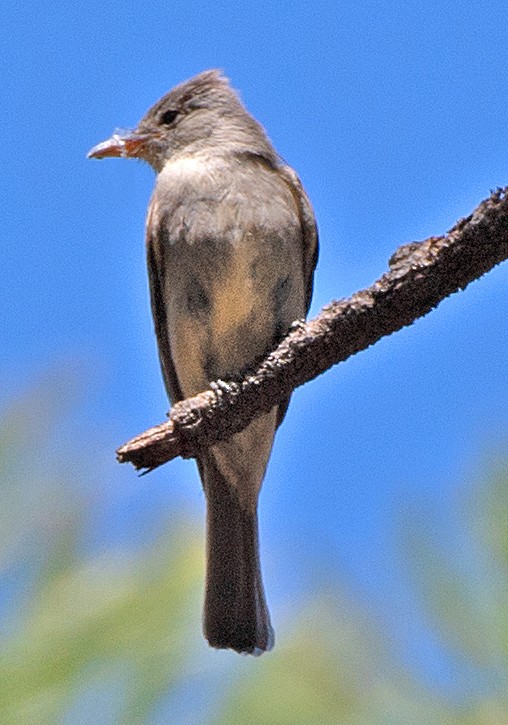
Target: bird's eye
(168, 117)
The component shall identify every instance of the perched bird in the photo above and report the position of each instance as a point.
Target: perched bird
(232, 246)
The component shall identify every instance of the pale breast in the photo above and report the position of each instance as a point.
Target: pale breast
(230, 236)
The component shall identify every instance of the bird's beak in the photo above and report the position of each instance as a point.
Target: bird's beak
(126, 145)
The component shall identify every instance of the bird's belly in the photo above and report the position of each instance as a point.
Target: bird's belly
(226, 312)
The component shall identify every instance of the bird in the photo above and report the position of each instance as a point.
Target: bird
(232, 245)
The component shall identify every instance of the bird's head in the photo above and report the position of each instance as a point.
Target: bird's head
(201, 114)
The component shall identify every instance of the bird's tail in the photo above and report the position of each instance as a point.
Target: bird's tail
(236, 616)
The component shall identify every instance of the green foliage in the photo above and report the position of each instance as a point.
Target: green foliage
(461, 573)
(106, 638)
(334, 669)
(119, 621)
(337, 667)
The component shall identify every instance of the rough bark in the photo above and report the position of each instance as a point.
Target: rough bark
(420, 275)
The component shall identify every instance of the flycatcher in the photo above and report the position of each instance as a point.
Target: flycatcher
(232, 246)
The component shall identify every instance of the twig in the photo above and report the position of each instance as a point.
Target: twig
(421, 275)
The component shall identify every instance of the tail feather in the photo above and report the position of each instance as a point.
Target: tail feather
(235, 616)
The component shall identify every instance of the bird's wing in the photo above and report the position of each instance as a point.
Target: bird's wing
(310, 245)
(155, 234)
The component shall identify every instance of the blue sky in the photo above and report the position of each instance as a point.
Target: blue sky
(394, 115)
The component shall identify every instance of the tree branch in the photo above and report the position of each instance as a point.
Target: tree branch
(421, 274)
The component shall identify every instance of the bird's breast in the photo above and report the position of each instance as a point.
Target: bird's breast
(229, 242)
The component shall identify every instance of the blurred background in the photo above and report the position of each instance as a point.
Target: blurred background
(384, 511)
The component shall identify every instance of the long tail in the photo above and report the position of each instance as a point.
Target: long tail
(236, 616)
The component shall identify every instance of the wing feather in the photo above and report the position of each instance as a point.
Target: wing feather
(310, 245)
(155, 236)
